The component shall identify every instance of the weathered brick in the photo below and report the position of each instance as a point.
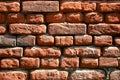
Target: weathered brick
(66, 29)
(87, 75)
(83, 40)
(93, 17)
(35, 18)
(3, 18)
(9, 6)
(115, 75)
(15, 18)
(67, 62)
(89, 63)
(74, 17)
(40, 6)
(108, 62)
(117, 41)
(27, 29)
(88, 7)
(103, 40)
(63, 40)
(45, 40)
(54, 17)
(2, 29)
(9, 63)
(70, 6)
(11, 52)
(28, 40)
(112, 18)
(29, 63)
(102, 28)
(49, 74)
(111, 52)
(42, 52)
(82, 51)
(13, 75)
(49, 63)
(7, 40)
(109, 7)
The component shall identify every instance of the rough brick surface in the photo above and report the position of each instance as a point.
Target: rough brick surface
(59, 39)
(64, 41)
(45, 40)
(88, 75)
(27, 29)
(11, 52)
(9, 6)
(40, 6)
(49, 74)
(49, 63)
(102, 28)
(35, 18)
(9, 63)
(83, 40)
(26, 40)
(82, 52)
(13, 75)
(108, 62)
(42, 52)
(66, 29)
(70, 62)
(29, 63)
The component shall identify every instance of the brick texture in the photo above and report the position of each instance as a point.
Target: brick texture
(59, 39)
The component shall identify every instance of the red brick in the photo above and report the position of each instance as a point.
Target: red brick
(108, 62)
(74, 17)
(29, 63)
(49, 63)
(9, 63)
(87, 75)
(89, 63)
(115, 75)
(63, 40)
(27, 29)
(117, 41)
(9, 6)
(88, 7)
(66, 29)
(2, 29)
(3, 18)
(45, 40)
(111, 52)
(82, 51)
(70, 6)
(35, 18)
(112, 18)
(83, 40)
(15, 18)
(28, 40)
(109, 7)
(13, 75)
(54, 17)
(11, 52)
(7, 40)
(40, 6)
(102, 28)
(48, 74)
(102, 40)
(93, 17)
(42, 52)
(67, 62)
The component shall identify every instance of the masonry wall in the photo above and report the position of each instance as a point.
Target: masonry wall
(59, 40)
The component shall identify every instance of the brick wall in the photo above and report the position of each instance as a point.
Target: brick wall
(59, 40)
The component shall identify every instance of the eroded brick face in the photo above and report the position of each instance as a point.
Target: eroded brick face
(59, 39)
